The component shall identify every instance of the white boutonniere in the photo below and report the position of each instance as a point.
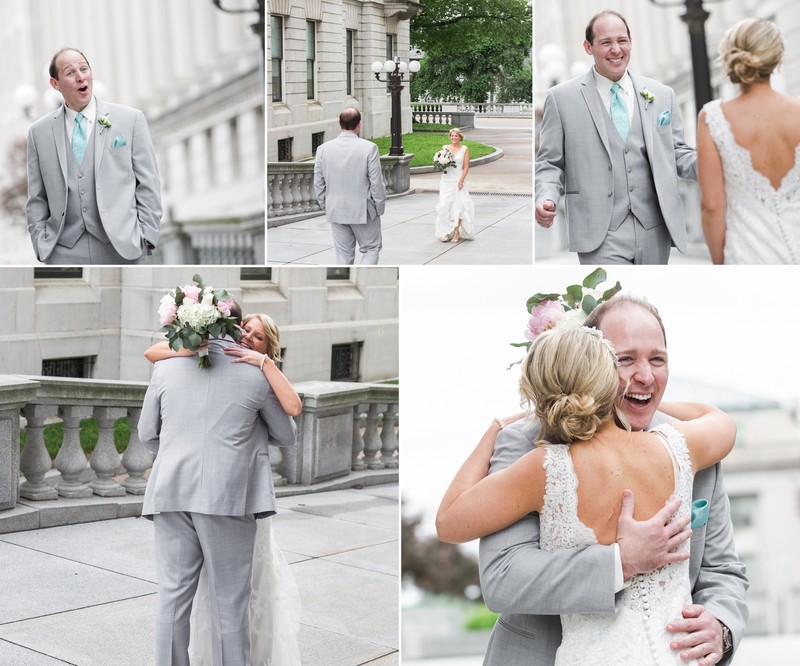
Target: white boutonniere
(648, 97)
(104, 121)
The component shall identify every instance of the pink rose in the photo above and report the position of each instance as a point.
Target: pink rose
(543, 317)
(225, 306)
(166, 312)
(191, 292)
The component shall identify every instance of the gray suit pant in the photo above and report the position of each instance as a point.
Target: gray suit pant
(183, 541)
(631, 243)
(89, 250)
(369, 239)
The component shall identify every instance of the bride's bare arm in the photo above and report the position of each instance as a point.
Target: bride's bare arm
(712, 190)
(287, 396)
(709, 432)
(476, 504)
(161, 350)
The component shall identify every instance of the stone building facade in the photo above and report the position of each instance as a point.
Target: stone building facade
(319, 61)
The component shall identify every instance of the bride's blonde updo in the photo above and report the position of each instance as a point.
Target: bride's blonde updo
(751, 50)
(570, 377)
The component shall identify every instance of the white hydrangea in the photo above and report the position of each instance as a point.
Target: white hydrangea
(198, 315)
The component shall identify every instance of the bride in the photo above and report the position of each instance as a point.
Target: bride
(455, 211)
(571, 379)
(748, 156)
(275, 599)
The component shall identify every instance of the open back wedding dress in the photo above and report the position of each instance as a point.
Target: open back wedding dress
(636, 634)
(762, 223)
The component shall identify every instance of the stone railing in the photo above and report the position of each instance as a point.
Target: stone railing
(233, 241)
(429, 113)
(495, 109)
(344, 428)
(290, 187)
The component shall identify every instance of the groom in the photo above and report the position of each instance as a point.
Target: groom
(612, 143)
(94, 195)
(531, 587)
(210, 481)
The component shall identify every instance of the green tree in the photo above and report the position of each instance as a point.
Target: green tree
(473, 49)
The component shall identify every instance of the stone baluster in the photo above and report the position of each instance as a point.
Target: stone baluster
(105, 459)
(286, 192)
(136, 459)
(357, 464)
(35, 462)
(276, 463)
(276, 187)
(299, 204)
(308, 193)
(389, 440)
(71, 461)
(372, 441)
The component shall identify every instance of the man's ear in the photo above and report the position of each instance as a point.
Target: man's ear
(54, 83)
(587, 47)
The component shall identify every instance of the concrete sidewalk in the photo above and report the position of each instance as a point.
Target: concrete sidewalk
(85, 594)
(502, 193)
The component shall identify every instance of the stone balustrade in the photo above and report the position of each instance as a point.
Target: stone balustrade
(344, 428)
(425, 113)
(290, 187)
(225, 241)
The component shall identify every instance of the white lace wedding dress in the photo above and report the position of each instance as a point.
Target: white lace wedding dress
(634, 635)
(274, 608)
(762, 223)
(455, 204)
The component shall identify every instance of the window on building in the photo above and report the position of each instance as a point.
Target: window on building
(338, 273)
(743, 510)
(78, 366)
(285, 150)
(53, 272)
(317, 139)
(262, 273)
(350, 38)
(276, 42)
(311, 59)
(345, 361)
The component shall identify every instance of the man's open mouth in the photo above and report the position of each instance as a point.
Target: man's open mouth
(639, 399)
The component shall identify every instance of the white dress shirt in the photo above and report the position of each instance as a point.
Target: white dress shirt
(90, 115)
(626, 92)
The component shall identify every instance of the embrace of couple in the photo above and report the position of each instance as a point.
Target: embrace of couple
(583, 514)
(611, 143)
(225, 592)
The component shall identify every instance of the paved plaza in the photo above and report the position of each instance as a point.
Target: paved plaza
(502, 193)
(85, 594)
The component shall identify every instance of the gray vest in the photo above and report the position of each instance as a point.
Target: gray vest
(82, 212)
(634, 189)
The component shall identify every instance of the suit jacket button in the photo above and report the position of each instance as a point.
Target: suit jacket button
(610, 193)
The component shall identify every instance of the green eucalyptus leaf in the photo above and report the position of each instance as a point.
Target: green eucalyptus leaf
(527, 345)
(196, 278)
(608, 293)
(594, 278)
(589, 303)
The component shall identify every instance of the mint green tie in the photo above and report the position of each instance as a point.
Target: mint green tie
(619, 113)
(79, 138)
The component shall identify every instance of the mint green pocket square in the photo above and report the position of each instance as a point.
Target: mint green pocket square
(665, 118)
(119, 140)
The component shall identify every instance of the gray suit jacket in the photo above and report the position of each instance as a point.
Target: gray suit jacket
(348, 180)
(574, 158)
(128, 186)
(531, 588)
(207, 429)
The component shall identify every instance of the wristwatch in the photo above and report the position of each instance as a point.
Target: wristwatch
(727, 640)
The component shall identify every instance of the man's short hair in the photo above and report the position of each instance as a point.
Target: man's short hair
(54, 65)
(605, 12)
(594, 320)
(349, 118)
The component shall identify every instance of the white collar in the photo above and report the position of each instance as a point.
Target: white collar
(604, 84)
(90, 113)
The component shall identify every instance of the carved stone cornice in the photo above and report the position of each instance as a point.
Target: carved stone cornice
(403, 10)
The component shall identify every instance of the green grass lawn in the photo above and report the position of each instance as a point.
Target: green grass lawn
(430, 127)
(424, 145)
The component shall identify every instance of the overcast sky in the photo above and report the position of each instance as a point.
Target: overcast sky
(734, 327)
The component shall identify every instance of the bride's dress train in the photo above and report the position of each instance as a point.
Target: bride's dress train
(636, 634)
(274, 608)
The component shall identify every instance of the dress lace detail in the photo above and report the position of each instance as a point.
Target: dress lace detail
(762, 223)
(455, 204)
(274, 609)
(634, 635)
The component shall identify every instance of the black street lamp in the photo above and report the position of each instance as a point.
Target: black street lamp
(695, 18)
(395, 73)
(257, 27)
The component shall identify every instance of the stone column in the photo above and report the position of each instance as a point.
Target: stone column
(372, 441)
(71, 460)
(136, 460)
(105, 459)
(358, 441)
(15, 393)
(389, 437)
(35, 461)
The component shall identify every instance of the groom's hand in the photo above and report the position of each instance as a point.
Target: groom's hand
(703, 639)
(646, 545)
(545, 213)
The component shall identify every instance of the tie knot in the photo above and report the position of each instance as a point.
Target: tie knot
(78, 117)
(614, 87)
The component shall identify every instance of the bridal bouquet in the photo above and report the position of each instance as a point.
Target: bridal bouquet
(567, 310)
(443, 160)
(192, 313)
